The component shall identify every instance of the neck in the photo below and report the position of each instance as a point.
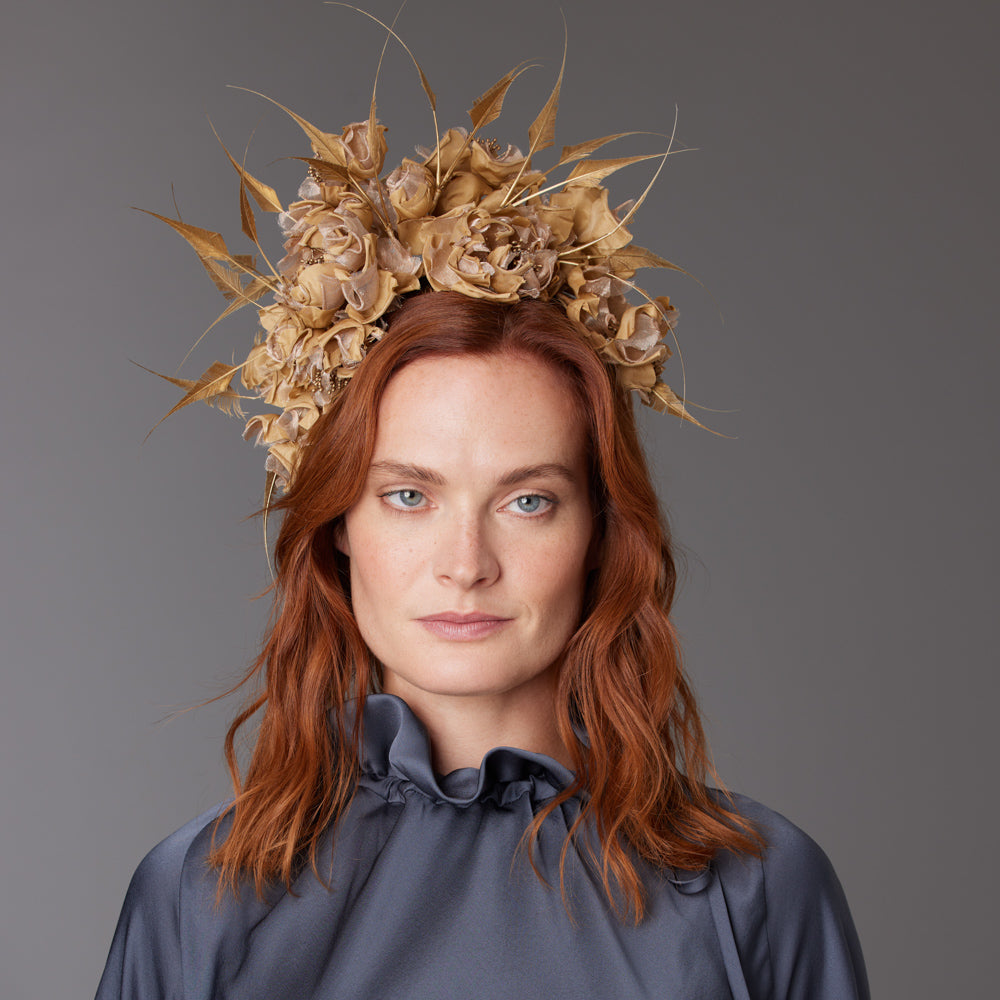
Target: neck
(463, 728)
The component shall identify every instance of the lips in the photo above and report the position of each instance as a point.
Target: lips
(455, 625)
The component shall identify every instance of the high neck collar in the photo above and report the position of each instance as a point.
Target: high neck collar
(396, 757)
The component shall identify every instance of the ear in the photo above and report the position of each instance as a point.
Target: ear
(341, 537)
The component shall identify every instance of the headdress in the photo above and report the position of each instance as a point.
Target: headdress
(467, 215)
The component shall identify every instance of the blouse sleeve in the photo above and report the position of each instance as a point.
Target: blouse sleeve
(815, 952)
(145, 960)
(793, 928)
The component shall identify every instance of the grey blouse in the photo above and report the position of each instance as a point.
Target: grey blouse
(429, 899)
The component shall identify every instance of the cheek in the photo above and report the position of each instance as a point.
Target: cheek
(383, 570)
(558, 576)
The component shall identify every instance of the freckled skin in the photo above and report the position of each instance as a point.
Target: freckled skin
(477, 502)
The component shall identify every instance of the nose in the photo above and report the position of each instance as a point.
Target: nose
(464, 555)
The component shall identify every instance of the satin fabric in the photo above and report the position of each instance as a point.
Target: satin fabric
(429, 899)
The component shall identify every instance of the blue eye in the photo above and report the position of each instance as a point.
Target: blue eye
(407, 499)
(531, 503)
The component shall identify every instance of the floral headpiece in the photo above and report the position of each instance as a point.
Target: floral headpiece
(467, 216)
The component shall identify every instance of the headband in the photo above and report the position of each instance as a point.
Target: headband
(467, 215)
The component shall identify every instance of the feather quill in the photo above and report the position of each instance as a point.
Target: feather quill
(213, 386)
(431, 98)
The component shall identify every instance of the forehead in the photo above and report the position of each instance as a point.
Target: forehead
(473, 411)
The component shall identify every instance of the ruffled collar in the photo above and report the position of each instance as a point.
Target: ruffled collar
(396, 759)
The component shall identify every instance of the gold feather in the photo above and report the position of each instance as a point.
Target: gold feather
(666, 399)
(597, 170)
(248, 222)
(204, 242)
(326, 170)
(485, 110)
(212, 387)
(542, 131)
(224, 277)
(249, 294)
(270, 485)
(432, 100)
(322, 142)
(582, 149)
(265, 195)
(631, 258)
(489, 105)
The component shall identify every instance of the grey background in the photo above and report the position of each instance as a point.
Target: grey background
(839, 609)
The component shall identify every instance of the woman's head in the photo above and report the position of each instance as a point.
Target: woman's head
(528, 348)
(470, 542)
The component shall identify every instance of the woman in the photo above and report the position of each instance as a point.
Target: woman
(479, 770)
(473, 529)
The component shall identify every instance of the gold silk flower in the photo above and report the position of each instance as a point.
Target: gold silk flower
(468, 215)
(411, 190)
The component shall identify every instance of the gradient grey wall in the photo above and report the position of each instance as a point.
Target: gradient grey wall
(840, 602)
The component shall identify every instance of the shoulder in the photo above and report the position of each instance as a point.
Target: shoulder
(145, 959)
(159, 877)
(792, 864)
(788, 912)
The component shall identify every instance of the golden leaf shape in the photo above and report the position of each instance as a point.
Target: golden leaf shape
(232, 284)
(664, 398)
(542, 132)
(204, 242)
(597, 170)
(631, 258)
(247, 221)
(488, 107)
(265, 195)
(325, 170)
(212, 386)
(324, 143)
(582, 149)
(245, 261)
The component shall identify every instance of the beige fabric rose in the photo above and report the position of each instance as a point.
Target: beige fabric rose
(593, 222)
(411, 190)
(362, 159)
(463, 190)
(318, 285)
(368, 289)
(392, 256)
(494, 167)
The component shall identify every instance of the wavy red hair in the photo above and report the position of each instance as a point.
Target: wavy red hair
(646, 767)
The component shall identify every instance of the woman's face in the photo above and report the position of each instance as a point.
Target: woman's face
(470, 544)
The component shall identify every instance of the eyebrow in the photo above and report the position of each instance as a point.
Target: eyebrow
(420, 474)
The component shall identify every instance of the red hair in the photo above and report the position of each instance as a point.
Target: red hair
(646, 766)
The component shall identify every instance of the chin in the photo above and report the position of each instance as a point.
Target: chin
(461, 680)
